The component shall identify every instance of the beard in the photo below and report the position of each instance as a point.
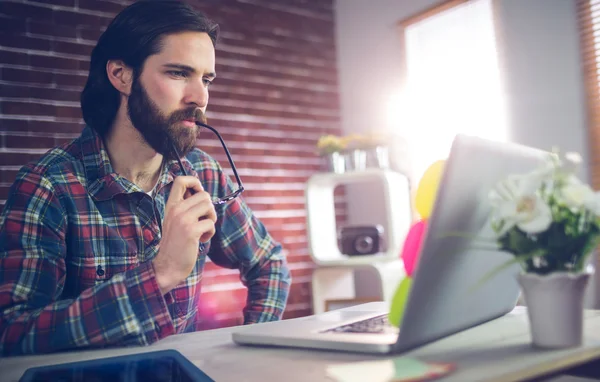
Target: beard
(159, 131)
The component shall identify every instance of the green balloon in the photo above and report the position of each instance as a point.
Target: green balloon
(399, 301)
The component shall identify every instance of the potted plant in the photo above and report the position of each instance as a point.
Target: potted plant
(550, 222)
(330, 147)
(376, 146)
(356, 156)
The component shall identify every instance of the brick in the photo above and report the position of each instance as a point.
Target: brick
(70, 112)
(26, 108)
(70, 80)
(274, 193)
(13, 40)
(19, 141)
(8, 176)
(17, 159)
(84, 65)
(23, 11)
(14, 58)
(273, 97)
(49, 29)
(272, 113)
(72, 48)
(7, 124)
(103, 6)
(64, 3)
(76, 18)
(13, 124)
(21, 91)
(55, 62)
(299, 63)
(4, 192)
(63, 127)
(90, 33)
(61, 141)
(26, 76)
(288, 94)
(38, 109)
(15, 91)
(12, 25)
(299, 292)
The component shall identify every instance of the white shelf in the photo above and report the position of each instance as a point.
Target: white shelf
(321, 223)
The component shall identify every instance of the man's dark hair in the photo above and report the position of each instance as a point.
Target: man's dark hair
(135, 34)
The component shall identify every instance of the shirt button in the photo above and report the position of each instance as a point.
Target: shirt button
(100, 271)
(156, 327)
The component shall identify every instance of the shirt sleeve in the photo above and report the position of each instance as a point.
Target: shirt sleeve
(128, 308)
(241, 241)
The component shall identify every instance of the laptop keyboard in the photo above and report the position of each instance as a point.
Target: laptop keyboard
(377, 324)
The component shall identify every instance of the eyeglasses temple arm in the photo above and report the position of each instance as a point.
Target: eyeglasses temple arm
(237, 177)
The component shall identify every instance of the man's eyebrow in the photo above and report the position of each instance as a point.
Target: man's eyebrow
(187, 69)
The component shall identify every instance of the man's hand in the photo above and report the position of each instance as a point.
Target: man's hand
(189, 218)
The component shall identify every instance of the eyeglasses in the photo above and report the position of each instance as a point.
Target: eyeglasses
(240, 189)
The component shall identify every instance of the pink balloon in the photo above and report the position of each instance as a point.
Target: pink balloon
(412, 245)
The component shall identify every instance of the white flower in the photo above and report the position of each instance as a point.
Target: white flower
(517, 202)
(577, 196)
(574, 193)
(571, 162)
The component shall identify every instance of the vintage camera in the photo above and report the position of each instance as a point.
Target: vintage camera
(361, 240)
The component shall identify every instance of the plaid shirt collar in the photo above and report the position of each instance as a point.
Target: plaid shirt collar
(104, 183)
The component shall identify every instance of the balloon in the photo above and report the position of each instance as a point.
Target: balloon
(427, 190)
(399, 302)
(412, 245)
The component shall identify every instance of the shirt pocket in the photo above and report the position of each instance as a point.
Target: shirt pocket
(88, 271)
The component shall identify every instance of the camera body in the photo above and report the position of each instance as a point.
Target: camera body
(361, 240)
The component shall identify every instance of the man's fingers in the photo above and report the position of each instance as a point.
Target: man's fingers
(199, 206)
(181, 185)
(205, 229)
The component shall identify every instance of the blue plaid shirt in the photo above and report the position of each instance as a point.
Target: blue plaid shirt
(76, 247)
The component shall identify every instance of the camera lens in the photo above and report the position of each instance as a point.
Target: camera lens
(363, 244)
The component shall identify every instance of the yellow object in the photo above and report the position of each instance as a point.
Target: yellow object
(328, 144)
(399, 302)
(427, 190)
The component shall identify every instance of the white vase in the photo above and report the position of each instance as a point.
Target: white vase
(335, 162)
(356, 160)
(378, 157)
(555, 307)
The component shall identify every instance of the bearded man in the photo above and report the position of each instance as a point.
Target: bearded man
(103, 240)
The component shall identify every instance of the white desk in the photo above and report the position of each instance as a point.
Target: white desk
(497, 351)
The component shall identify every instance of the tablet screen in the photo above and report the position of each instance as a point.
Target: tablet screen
(121, 369)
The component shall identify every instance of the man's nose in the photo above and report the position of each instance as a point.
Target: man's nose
(197, 94)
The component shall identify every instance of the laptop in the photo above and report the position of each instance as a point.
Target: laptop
(447, 293)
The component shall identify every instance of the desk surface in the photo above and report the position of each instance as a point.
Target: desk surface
(499, 350)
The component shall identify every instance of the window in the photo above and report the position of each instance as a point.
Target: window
(589, 25)
(451, 81)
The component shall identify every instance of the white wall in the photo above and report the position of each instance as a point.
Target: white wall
(539, 58)
(541, 63)
(369, 59)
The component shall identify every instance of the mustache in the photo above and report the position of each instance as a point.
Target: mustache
(194, 113)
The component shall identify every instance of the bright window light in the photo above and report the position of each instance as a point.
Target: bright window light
(452, 83)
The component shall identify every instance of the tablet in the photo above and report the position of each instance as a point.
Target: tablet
(157, 366)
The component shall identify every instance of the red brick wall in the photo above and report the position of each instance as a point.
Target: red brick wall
(276, 93)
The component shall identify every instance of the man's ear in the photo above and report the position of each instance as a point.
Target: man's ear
(120, 76)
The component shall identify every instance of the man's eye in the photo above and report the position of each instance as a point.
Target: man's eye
(177, 73)
(207, 81)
